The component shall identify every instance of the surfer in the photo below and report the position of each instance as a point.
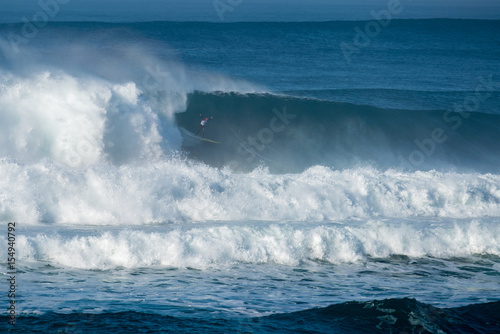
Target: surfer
(204, 121)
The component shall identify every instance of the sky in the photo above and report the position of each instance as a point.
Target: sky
(239, 10)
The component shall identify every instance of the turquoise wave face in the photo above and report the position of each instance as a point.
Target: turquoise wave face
(291, 134)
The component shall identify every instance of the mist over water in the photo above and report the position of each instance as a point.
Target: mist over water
(94, 105)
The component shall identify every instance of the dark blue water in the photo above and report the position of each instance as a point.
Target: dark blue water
(390, 315)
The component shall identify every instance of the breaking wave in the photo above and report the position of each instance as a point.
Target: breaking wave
(260, 243)
(103, 145)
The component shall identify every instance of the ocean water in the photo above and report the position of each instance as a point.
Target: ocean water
(355, 189)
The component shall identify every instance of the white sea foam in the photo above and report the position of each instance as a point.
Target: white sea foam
(75, 122)
(176, 190)
(290, 244)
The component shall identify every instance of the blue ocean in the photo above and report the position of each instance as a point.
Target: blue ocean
(351, 184)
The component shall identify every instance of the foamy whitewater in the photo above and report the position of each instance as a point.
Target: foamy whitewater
(365, 189)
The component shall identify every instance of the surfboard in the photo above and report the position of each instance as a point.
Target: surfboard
(205, 139)
(198, 137)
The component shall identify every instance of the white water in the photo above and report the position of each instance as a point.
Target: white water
(176, 190)
(224, 245)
